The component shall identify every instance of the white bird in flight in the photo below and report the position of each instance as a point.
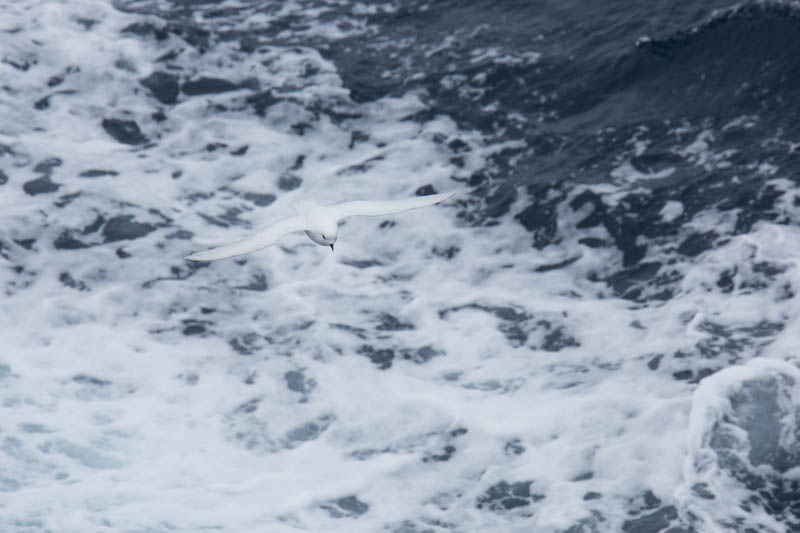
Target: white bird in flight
(320, 222)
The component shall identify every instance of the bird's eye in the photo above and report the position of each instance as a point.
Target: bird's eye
(324, 237)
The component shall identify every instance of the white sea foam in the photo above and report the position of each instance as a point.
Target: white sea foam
(730, 433)
(393, 384)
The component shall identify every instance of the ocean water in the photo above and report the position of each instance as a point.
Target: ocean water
(597, 334)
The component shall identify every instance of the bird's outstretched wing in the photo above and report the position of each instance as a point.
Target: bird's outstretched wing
(262, 239)
(371, 209)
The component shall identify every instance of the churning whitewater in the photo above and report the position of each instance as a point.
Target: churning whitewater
(597, 333)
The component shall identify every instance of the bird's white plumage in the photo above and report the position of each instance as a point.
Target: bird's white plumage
(262, 239)
(316, 220)
(389, 207)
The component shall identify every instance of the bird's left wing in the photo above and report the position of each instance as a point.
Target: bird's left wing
(262, 239)
(389, 207)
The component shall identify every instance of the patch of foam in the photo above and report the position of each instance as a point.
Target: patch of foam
(699, 152)
(627, 173)
(743, 437)
(671, 210)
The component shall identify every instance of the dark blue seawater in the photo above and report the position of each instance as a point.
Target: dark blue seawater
(580, 85)
(608, 73)
(597, 334)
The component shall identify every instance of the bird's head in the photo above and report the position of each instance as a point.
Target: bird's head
(329, 235)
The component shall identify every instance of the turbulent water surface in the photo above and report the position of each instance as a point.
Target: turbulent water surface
(597, 334)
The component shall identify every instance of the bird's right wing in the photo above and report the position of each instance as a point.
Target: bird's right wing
(389, 207)
(262, 239)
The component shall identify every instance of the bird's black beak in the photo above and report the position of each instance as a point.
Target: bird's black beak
(331, 247)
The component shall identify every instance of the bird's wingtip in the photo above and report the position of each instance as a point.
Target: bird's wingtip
(197, 256)
(442, 196)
